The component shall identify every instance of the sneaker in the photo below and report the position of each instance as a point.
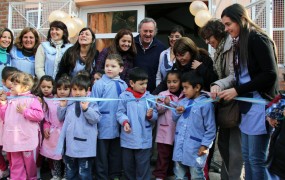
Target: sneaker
(55, 178)
(4, 174)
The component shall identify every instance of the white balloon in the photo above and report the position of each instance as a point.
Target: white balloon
(71, 27)
(202, 17)
(79, 22)
(197, 6)
(57, 15)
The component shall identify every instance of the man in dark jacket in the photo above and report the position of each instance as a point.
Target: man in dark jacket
(148, 50)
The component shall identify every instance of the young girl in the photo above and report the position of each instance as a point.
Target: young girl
(21, 127)
(166, 126)
(52, 126)
(108, 162)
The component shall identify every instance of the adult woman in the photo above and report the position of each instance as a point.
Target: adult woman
(189, 57)
(229, 141)
(167, 57)
(123, 45)
(49, 53)
(256, 76)
(6, 43)
(24, 50)
(79, 57)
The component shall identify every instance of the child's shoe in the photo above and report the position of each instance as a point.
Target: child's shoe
(4, 174)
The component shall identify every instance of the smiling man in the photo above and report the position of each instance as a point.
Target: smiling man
(148, 50)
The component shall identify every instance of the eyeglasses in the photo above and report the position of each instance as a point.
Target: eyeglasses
(176, 37)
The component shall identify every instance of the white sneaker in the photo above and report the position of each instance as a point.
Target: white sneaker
(55, 178)
(4, 174)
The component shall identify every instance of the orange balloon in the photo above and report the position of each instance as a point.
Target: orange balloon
(197, 6)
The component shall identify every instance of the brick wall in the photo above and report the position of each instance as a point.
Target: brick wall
(4, 8)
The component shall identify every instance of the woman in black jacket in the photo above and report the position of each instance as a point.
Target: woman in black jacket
(190, 57)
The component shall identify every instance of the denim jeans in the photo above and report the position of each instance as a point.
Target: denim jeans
(254, 153)
(180, 172)
(78, 168)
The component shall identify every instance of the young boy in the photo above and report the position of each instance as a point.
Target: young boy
(195, 128)
(6, 74)
(110, 86)
(136, 116)
(79, 131)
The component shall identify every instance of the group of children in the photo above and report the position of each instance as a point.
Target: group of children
(117, 129)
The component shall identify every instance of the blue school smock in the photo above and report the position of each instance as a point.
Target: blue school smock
(197, 129)
(134, 111)
(78, 133)
(108, 127)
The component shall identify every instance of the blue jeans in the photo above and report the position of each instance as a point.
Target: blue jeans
(254, 153)
(180, 171)
(78, 168)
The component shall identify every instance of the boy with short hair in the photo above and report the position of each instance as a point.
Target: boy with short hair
(78, 137)
(136, 116)
(195, 128)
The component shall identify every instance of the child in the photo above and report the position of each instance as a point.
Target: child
(77, 141)
(52, 126)
(108, 161)
(195, 128)
(7, 73)
(136, 115)
(21, 127)
(97, 75)
(166, 126)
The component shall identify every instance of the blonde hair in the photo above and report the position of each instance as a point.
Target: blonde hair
(24, 79)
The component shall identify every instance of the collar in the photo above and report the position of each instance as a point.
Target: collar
(168, 93)
(107, 79)
(142, 44)
(136, 94)
(3, 50)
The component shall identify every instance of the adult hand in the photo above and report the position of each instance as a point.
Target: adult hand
(195, 64)
(214, 91)
(228, 94)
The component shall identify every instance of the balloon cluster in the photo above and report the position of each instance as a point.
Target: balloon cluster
(200, 10)
(73, 24)
(276, 110)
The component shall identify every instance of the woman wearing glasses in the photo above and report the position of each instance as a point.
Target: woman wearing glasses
(167, 57)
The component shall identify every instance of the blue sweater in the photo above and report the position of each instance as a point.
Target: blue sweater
(149, 59)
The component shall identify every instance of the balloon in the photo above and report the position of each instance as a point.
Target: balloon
(79, 22)
(202, 17)
(197, 6)
(71, 27)
(57, 15)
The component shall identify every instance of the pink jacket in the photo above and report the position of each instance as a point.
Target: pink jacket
(21, 131)
(165, 124)
(52, 123)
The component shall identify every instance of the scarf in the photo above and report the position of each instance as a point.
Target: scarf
(136, 94)
(58, 49)
(218, 59)
(3, 55)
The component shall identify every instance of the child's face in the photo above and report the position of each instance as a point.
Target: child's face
(173, 83)
(112, 68)
(189, 91)
(62, 91)
(97, 76)
(46, 88)
(8, 82)
(17, 89)
(78, 91)
(139, 86)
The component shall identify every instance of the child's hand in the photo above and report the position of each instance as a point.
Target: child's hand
(127, 128)
(3, 96)
(21, 108)
(46, 133)
(63, 103)
(84, 105)
(149, 113)
(202, 150)
(180, 109)
(167, 101)
(273, 122)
